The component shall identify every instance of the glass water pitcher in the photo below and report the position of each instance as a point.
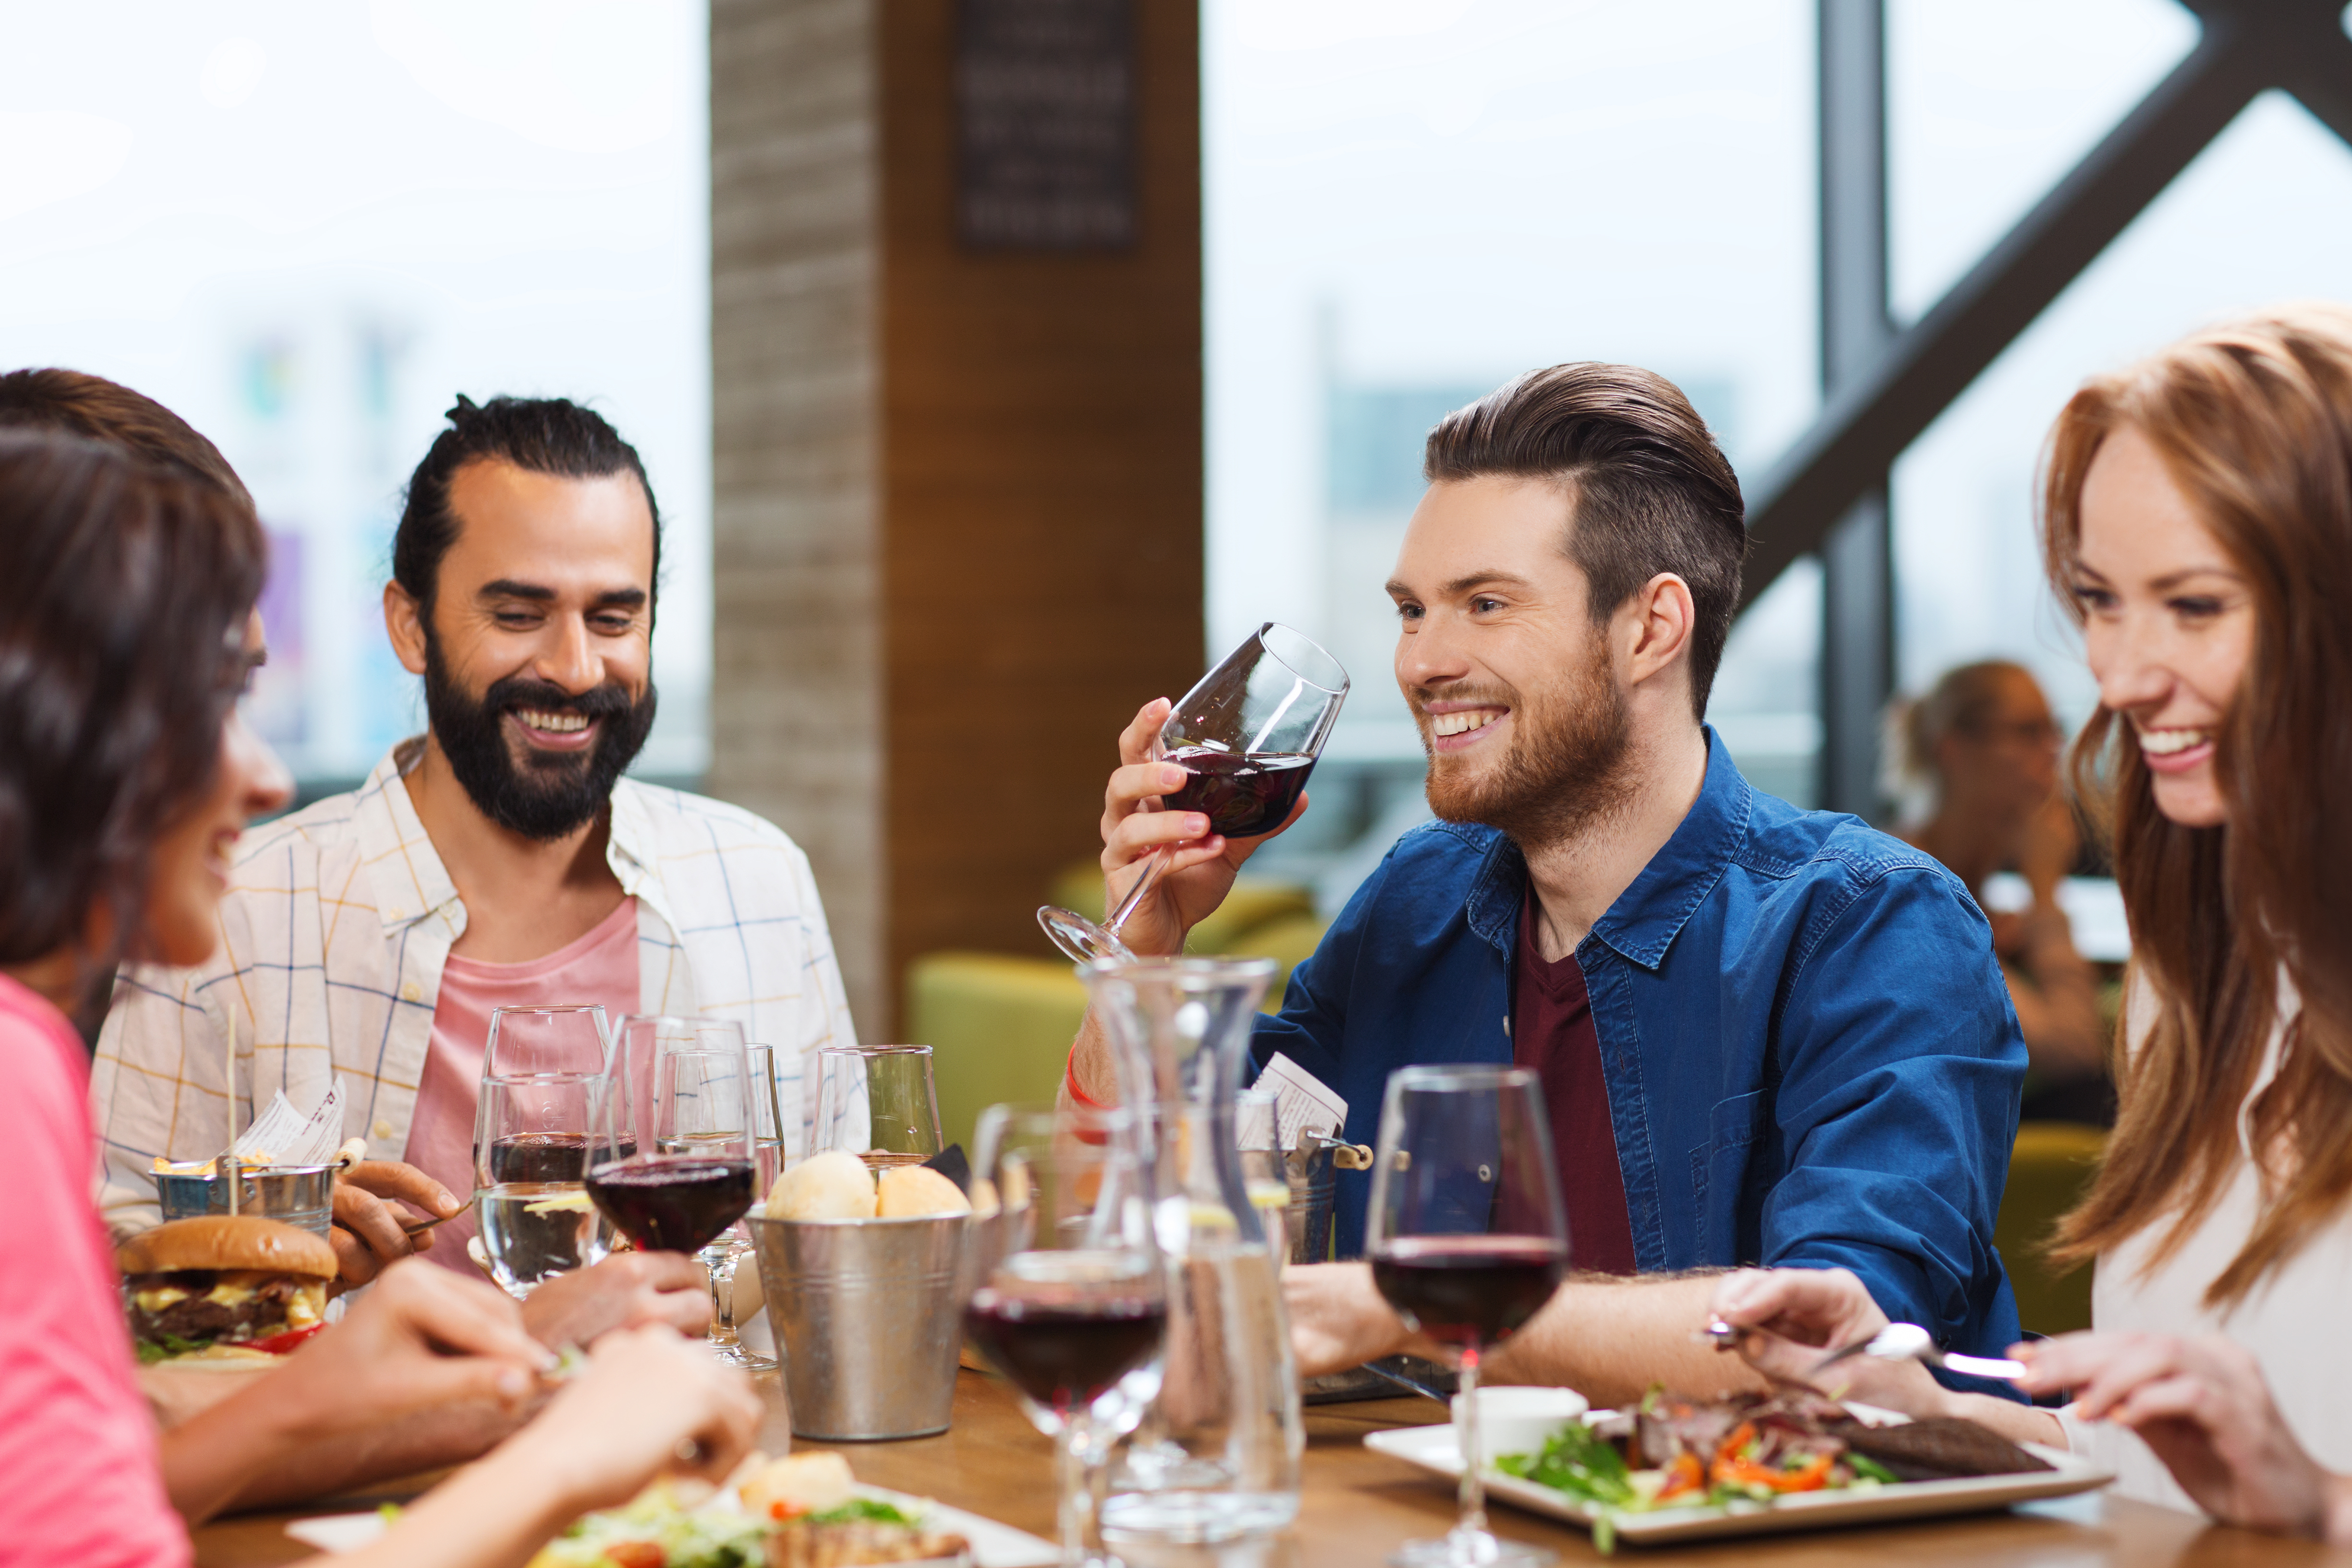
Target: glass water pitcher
(1217, 1457)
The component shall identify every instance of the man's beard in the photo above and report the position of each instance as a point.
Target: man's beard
(1566, 768)
(550, 795)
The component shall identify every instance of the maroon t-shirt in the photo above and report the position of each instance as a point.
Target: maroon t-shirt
(1551, 1031)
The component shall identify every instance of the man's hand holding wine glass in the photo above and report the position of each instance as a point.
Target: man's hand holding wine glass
(1202, 864)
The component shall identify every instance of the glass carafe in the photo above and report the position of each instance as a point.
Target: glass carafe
(1217, 1457)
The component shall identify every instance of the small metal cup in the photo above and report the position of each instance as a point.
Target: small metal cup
(868, 1316)
(302, 1196)
(1307, 1221)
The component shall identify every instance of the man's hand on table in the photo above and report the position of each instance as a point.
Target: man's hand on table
(368, 1232)
(1339, 1319)
(626, 1290)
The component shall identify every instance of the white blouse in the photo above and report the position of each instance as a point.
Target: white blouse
(2293, 1321)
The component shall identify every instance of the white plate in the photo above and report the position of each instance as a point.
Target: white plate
(1433, 1448)
(993, 1545)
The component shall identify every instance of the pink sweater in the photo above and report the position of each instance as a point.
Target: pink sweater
(79, 1481)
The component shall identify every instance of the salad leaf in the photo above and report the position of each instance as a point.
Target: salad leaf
(1580, 1462)
(1870, 1470)
(866, 1509)
(162, 1347)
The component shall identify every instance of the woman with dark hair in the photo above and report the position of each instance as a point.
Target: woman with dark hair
(1976, 765)
(126, 775)
(2198, 522)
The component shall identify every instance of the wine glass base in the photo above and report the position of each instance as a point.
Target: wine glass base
(740, 1355)
(1471, 1548)
(1081, 940)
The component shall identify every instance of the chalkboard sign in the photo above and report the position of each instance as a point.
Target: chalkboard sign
(1045, 124)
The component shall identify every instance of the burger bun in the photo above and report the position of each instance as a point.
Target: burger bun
(225, 1242)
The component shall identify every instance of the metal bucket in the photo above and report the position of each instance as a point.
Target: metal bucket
(868, 1317)
(298, 1194)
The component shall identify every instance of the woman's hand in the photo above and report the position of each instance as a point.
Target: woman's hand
(423, 1336)
(2203, 1407)
(1202, 865)
(626, 1290)
(1794, 1317)
(649, 1402)
(368, 1233)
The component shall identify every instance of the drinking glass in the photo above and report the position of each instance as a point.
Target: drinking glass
(1462, 1150)
(572, 1038)
(727, 1257)
(531, 1160)
(1070, 1305)
(1264, 1177)
(1248, 733)
(877, 1103)
(697, 1113)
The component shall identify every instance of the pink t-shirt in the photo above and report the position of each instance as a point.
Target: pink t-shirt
(600, 967)
(79, 1476)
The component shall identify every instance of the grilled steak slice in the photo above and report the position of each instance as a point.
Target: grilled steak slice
(1938, 1448)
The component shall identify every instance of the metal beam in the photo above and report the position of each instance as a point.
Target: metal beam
(2247, 45)
(1857, 653)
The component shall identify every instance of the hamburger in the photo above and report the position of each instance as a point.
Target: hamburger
(224, 1287)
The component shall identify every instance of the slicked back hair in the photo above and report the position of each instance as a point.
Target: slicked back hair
(75, 403)
(540, 435)
(1649, 491)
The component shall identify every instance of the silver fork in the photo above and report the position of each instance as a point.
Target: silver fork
(1909, 1342)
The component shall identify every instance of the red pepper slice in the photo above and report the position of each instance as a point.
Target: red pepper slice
(286, 1343)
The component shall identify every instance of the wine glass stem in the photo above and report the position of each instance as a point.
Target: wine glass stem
(1074, 1467)
(1151, 869)
(1465, 1430)
(719, 1267)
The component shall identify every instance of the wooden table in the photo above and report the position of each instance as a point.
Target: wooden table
(1358, 1504)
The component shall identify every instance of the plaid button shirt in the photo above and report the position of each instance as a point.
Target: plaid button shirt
(333, 933)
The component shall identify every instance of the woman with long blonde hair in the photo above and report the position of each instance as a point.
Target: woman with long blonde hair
(2197, 523)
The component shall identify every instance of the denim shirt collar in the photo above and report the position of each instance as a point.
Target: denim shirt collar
(1648, 915)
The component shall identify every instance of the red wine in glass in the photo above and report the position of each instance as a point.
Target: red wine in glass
(1241, 793)
(667, 1203)
(1468, 1290)
(1065, 1354)
(545, 1157)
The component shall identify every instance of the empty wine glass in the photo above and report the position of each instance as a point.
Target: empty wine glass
(1248, 733)
(1071, 1305)
(877, 1103)
(572, 1037)
(1462, 1152)
(531, 1160)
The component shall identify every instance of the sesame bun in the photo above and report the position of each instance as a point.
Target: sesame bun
(228, 1241)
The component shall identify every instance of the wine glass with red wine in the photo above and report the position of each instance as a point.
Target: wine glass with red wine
(691, 1135)
(1070, 1304)
(1248, 733)
(1467, 1239)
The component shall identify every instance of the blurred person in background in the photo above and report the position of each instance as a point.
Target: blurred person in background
(2197, 523)
(629, 1290)
(1978, 766)
(499, 858)
(126, 777)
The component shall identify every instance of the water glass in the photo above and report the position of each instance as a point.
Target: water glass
(572, 1037)
(877, 1103)
(530, 1164)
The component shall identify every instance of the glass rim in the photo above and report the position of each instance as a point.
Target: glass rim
(1462, 1075)
(1346, 684)
(1182, 964)
(545, 1078)
(1050, 1114)
(548, 1007)
(873, 1051)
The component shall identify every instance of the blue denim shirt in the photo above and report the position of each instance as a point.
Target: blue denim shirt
(1810, 1054)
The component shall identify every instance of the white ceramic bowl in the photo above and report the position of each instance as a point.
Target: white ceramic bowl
(1520, 1420)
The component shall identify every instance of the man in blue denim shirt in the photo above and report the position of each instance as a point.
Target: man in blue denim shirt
(1791, 1028)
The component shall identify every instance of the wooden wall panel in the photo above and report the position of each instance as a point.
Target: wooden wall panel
(959, 491)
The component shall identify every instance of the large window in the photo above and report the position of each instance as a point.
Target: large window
(307, 227)
(1408, 204)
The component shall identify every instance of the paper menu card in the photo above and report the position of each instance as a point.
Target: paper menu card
(281, 1136)
(1303, 1102)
